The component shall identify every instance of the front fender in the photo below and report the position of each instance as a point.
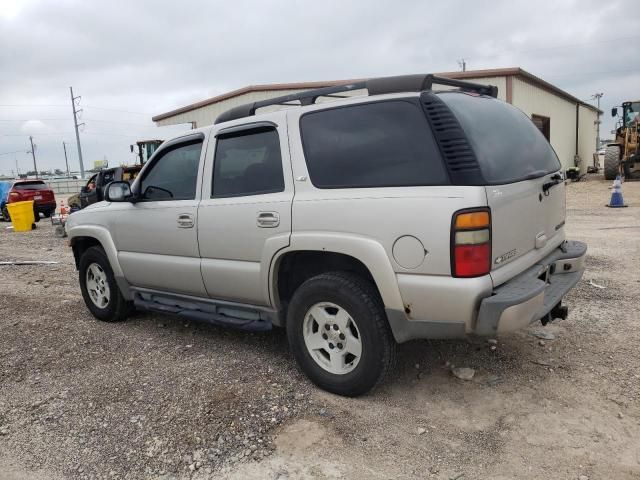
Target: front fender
(102, 235)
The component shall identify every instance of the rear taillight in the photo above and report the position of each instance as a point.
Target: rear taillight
(14, 196)
(471, 243)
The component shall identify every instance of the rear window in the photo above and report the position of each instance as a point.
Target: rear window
(383, 144)
(508, 145)
(35, 185)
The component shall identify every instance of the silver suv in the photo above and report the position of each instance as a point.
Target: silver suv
(357, 224)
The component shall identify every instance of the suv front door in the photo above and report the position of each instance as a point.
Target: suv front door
(156, 236)
(245, 213)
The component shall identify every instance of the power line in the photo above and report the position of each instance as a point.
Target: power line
(9, 153)
(27, 105)
(117, 110)
(22, 105)
(30, 119)
(39, 134)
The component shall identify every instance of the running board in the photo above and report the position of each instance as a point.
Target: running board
(224, 314)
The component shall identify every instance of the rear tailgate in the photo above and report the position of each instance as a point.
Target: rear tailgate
(522, 178)
(526, 222)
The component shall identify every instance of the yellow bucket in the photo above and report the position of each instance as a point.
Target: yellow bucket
(22, 216)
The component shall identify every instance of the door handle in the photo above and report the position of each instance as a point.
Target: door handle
(268, 219)
(185, 220)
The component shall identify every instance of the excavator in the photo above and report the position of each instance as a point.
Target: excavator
(622, 157)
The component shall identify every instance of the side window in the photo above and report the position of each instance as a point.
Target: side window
(248, 163)
(381, 144)
(173, 176)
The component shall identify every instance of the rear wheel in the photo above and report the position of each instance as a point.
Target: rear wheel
(99, 288)
(611, 162)
(339, 334)
(5, 214)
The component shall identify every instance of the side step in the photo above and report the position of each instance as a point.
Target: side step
(224, 314)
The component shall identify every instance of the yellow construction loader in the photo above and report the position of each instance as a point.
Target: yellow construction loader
(622, 157)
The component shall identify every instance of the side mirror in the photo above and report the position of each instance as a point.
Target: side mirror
(118, 192)
(614, 111)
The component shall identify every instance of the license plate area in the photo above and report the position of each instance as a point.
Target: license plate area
(37, 197)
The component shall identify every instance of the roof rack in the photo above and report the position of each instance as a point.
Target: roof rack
(375, 86)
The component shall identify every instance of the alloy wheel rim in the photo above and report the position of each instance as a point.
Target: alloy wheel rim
(332, 338)
(98, 285)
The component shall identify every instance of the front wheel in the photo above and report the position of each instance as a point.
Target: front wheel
(99, 288)
(339, 334)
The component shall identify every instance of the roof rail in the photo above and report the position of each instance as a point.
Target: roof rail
(375, 86)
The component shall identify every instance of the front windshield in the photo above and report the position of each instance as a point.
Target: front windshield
(632, 113)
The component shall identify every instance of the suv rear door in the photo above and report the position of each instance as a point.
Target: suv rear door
(245, 213)
(524, 184)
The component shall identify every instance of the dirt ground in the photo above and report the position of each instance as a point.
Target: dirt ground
(156, 397)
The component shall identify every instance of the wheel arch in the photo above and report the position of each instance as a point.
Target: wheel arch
(310, 254)
(83, 237)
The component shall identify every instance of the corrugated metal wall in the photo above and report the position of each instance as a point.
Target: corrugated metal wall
(532, 100)
(587, 133)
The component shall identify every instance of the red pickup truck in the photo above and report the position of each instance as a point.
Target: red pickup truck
(43, 198)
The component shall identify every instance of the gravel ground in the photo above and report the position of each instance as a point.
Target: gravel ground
(156, 397)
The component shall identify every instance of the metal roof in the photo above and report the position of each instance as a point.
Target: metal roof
(488, 73)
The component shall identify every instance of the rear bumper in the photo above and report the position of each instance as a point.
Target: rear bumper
(534, 294)
(447, 307)
(45, 207)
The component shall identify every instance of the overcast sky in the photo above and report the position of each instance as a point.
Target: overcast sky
(130, 60)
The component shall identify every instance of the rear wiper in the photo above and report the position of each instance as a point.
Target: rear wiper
(555, 180)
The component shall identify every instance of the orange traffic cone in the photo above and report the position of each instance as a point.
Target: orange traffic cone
(63, 209)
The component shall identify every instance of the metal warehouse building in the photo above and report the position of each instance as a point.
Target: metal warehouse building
(567, 122)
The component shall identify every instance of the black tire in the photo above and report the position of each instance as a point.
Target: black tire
(47, 214)
(362, 301)
(117, 309)
(611, 162)
(36, 216)
(5, 214)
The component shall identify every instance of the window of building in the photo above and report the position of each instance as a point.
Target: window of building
(248, 163)
(543, 124)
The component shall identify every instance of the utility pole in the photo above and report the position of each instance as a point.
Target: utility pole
(76, 125)
(65, 158)
(17, 169)
(597, 97)
(33, 153)
(463, 65)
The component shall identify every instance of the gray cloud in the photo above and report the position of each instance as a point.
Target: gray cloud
(148, 57)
